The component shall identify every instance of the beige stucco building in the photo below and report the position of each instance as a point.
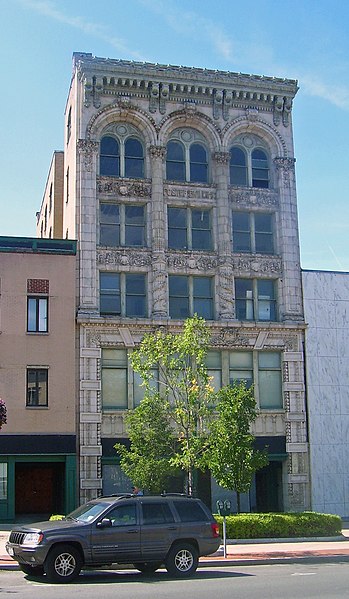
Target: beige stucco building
(37, 376)
(179, 186)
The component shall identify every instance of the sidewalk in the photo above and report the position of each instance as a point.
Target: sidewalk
(248, 551)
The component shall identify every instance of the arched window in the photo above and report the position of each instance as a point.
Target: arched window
(109, 157)
(121, 153)
(186, 158)
(249, 163)
(238, 167)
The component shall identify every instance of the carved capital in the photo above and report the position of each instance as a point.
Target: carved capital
(285, 167)
(87, 149)
(221, 157)
(157, 152)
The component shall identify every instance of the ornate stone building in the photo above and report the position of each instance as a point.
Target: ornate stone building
(179, 185)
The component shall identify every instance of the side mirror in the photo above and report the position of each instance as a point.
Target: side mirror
(105, 523)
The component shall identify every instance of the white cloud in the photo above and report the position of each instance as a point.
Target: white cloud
(49, 9)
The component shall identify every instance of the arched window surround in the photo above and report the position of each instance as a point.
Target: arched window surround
(250, 162)
(122, 152)
(187, 157)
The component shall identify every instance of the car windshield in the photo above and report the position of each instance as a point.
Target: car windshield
(87, 512)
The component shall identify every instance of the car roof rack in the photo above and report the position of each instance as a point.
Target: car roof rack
(164, 494)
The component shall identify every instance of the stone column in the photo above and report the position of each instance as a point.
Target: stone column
(225, 271)
(158, 234)
(289, 241)
(86, 225)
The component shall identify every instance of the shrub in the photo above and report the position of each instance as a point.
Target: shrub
(288, 525)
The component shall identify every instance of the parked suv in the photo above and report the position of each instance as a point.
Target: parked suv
(146, 531)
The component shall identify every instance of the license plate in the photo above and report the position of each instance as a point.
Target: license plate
(10, 551)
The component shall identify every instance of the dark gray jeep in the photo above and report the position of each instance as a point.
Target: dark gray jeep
(146, 531)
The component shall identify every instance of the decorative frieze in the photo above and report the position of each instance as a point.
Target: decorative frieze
(123, 258)
(253, 198)
(227, 338)
(121, 187)
(190, 261)
(256, 265)
(197, 193)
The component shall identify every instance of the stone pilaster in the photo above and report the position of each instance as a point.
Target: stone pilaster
(223, 237)
(158, 234)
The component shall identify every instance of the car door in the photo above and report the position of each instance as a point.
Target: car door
(158, 529)
(116, 538)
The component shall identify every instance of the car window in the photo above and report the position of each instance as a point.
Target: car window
(190, 511)
(123, 515)
(156, 513)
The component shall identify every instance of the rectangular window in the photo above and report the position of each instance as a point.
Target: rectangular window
(3, 480)
(121, 225)
(241, 368)
(37, 387)
(189, 228)
(269, 380)
(253, 232)
(37, 314)
(214, 369)
(123, 294)
(139, 390)
(189, 295)
(114, 379)
(255, 299)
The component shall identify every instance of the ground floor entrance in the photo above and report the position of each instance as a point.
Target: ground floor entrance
(39, 488)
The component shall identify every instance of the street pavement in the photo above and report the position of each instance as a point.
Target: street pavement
(245, 551)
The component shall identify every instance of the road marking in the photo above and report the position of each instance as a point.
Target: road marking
(303, 574)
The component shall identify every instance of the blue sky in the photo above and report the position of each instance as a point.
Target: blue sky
(305, 39)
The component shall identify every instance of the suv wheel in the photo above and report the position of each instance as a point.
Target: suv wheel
(147, 567)
(182, 560)
(63, 563)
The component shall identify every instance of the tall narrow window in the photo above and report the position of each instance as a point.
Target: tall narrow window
(175, 161)
(109, 157)
(260, 169)
(37, 387)
(269, 380)
(241, 368)
(198, 163)
(238, 167)
(67, 184)
(69, 125)
(37, 314)
(114, 379)
(134, 158)
(3, 480)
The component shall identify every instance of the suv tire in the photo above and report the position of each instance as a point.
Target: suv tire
(182, 560)
(63, 563)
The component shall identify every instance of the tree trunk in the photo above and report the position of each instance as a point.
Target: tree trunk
(238, 502)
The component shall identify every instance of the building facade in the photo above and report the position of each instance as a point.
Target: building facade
(326, 309)
(179, 186)
(37, 382)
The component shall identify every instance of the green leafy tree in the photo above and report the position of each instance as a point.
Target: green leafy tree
(232, 457)
(152, 445)
(184, 390)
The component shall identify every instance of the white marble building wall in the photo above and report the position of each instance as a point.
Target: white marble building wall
(326, 307)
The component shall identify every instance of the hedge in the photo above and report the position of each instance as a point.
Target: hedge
(288, 525)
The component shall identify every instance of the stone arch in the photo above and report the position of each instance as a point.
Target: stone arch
(122, 111)
(191, 118)
(258, 127)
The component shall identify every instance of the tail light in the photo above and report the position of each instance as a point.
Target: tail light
(215, 529)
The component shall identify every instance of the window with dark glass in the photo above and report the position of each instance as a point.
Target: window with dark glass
(69, 125)
(187, 161)
(121, 225)
(37, 314)
(249, 168)
(157, 513)
(189, 295)
(123, 294)
(189, 228)
(37, 387)
(123, 515)
(121, 158)
(255, 299)
(253, 232)
(238, 167)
